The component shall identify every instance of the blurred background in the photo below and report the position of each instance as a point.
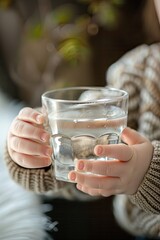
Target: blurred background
(47, 44)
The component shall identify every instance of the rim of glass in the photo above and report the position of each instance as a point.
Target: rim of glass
(123, 96)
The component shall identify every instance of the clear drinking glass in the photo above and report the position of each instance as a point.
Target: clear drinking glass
(79, 118)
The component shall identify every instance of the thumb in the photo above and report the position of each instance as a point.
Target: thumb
(132, 137)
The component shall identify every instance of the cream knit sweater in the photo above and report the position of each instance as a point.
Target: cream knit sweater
(138, 72)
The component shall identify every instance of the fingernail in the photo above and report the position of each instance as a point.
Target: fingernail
(80, 165)
(72, 176)
(39, 118)
(99, 150)
(20, 112)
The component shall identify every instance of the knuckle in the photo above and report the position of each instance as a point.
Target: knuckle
(36, 132)
(27, 113)
(16, 158)
(21, 159)
(81, 179)
(89, 166)
(16, 144)
(108, 170)
(24, 110)
(17, 127)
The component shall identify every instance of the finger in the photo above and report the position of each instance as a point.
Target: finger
(117, 151)
(26, 146)
(132, 137)
(30, 161)
(110, 168)
(90, 191)
(94, 181)
(31, 115)
(26, 130)
(96, 192)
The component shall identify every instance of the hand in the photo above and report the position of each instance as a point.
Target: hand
(123, 174)
(28, 142)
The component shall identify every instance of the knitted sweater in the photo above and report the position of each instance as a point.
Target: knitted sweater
(137, 72)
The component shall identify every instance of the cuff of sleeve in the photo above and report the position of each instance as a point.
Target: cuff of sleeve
(148, 194)
(36, 180)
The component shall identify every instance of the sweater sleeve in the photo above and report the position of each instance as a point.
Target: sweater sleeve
(148, 195)
(127, 74)
(134, 220)
(137, 72)
(37, 180)
(140, 213)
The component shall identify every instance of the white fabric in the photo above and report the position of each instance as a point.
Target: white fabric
(21, 216)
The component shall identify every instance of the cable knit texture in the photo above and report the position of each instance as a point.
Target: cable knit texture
(148, 194)
(138, 72)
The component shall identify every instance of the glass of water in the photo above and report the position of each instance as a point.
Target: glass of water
(79, 118)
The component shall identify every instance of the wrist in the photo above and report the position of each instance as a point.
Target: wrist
(147, 195)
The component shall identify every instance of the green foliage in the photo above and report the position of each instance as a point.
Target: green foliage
(63, 14)
(104, 13)
(73, 49)
(72, 41)
(35, 31)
